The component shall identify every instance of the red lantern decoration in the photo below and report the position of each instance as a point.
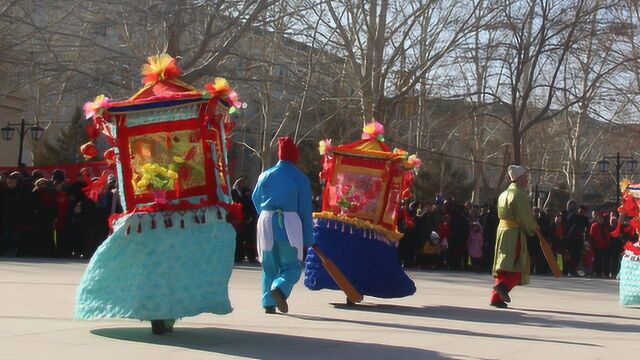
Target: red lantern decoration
(89, 150)
(109, 155)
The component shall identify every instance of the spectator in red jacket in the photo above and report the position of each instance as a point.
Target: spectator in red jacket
(600, 238)
(444, 232)
(588, 259)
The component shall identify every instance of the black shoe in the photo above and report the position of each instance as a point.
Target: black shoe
(168, 325)
(157, 327)
(500, 304)
(281, 300)
(502, 290)
(269, 309)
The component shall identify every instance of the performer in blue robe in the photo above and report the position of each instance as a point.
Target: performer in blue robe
(282, 197)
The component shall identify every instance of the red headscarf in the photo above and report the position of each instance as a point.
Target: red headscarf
(287, 150)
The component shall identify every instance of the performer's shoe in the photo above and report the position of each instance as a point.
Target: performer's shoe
(281, 300)
(503, 291)
(158, 327)
(269, 309)
(500, 304)
(168, 325)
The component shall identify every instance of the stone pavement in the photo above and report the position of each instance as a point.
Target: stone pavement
(448, 318)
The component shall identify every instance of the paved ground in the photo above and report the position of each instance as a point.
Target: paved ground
(448, 318)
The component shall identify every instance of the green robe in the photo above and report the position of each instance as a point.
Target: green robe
(513, 205)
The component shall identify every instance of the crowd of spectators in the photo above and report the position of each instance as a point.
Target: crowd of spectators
(447, 235)
(450, 235)
(51, 216)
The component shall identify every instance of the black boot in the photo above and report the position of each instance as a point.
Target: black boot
(281, 300)
(269, 309)
(157, 327)
(168, 325)
(500, 304)
(503, 291)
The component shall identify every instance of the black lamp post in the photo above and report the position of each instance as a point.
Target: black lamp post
(36, 134)
(620, 161)
(539, 195)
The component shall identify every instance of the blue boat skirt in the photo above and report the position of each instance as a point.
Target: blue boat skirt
(162, 273)
(369, 261)
(629, 279)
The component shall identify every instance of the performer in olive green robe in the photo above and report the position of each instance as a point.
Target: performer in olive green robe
(511, 261)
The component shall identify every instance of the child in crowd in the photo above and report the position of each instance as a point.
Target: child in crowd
(444, 231)
(474, 246)
(431, 251)
(588, 258)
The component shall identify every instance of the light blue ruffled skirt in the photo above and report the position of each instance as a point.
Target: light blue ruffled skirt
(629, 280)
(162, 273)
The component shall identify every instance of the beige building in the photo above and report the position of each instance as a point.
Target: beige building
(12, 110)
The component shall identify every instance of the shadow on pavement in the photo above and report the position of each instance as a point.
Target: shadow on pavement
(28, 261)
(572, 313)
(259, 345)
(440, 330)
(512, 316)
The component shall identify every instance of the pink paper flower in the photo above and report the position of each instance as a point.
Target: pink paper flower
(234, 99)
(413, 160)
(96, 106)
(373, 130)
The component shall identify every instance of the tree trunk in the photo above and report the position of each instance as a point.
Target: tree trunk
(517, 146)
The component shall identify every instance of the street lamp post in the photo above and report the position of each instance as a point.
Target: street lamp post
(620, 161)
(8, 131)
(539, 195)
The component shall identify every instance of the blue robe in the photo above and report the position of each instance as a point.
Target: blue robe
(283, 188)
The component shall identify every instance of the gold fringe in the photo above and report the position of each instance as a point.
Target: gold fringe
(363, 224)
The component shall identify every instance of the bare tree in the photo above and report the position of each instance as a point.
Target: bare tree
(72, 48)
(376, 37)
(475, 58)
(540, 34)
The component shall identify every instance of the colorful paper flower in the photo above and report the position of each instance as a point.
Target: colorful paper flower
(160, 67)
(234, 99)
(373, 130)
(324, 146)
(219, 88)
(401, 152)
(415, 161)
(95, 107)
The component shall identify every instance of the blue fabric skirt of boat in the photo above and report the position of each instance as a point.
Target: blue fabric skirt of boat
(164, 270)
(629, 279)
(369, 261)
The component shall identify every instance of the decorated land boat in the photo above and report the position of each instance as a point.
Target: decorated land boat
(357, 227)
(170, 254)
(629, 274)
